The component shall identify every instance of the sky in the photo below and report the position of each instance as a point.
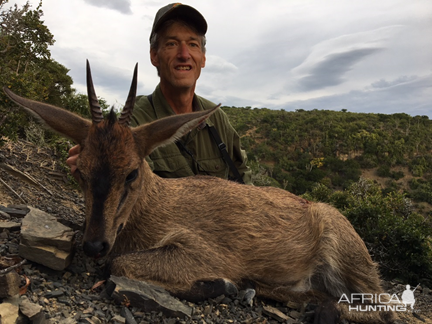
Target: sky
(364, 56)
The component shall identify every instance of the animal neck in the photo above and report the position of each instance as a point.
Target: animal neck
(144, 233)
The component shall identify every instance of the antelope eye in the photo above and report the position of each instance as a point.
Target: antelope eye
(132, 176)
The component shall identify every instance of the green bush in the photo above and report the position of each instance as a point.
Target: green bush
(367, 161)
(397, 237)
(421, 190)
(397, 175)
(320, 192)
(384, 171)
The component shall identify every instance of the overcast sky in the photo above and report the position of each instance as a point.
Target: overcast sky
(363, 56)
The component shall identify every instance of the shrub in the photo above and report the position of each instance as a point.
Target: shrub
(319, 192)
(397, 237)
(383, 171)
(397, 175)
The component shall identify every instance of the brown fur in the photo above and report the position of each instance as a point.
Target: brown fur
(176, 232)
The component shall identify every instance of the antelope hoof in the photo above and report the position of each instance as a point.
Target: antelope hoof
(249, 296)
(202, 290)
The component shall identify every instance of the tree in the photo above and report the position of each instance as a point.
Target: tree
(26, 65)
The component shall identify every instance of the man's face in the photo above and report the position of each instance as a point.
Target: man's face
(179, 57)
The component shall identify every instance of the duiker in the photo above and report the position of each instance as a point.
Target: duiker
(185, 234)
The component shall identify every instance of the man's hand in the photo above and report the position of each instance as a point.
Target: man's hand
(72, 160)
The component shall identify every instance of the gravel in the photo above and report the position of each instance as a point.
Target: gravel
(74, 296)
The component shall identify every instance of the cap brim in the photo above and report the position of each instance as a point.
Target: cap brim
(182, 12)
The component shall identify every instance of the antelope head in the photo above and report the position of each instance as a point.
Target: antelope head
(110, 165)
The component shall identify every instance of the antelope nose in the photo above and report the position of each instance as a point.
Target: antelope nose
(95, 249)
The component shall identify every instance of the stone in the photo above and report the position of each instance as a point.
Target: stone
(127, 314)
(68, 321)
(39, 319)
(294, 314)
(118, 319)
(29, 309)
(4, 215)
(15, 211)
(12, 226)
(9, 310)
(293, 305)
(147, 297)
(46, 241)
(9, 284)
(54, 294)
(276, 314)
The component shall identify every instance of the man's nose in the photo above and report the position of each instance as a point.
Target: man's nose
(183, 51)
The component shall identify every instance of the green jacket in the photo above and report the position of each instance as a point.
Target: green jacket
(171, 162)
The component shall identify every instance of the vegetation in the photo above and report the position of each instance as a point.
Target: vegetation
(299, 149)
(27, 68)
(397, 237)
(318, 154)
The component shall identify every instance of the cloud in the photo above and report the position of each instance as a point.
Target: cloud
(382, 83)
(111, 81)
(365, 56)
(330, 71)
(216, 78)
(409, 97)
(330, 60)
(217, 64)
(122, 6)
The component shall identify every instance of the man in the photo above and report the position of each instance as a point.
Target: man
(177, 50)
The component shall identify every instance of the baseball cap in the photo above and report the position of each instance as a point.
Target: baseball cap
(184, 12)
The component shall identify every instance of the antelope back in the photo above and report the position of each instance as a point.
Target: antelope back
(111, 167)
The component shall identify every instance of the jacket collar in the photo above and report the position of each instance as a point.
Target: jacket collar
(164, 109)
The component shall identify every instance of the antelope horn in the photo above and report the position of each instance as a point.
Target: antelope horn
(95, 109)
(130, 102)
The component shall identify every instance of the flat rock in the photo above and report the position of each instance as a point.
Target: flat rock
(46, 241)
(9, 284)
(15, 210)
(12, 226)
(29, 309)
(276, 314)
(4, 215)
(146, 296)
(9, 310)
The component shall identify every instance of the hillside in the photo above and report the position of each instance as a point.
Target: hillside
(296, 150)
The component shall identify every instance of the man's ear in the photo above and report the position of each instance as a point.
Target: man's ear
(203, 61)
(154, 58)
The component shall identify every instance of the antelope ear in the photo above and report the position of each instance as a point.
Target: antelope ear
(57, 119)
(167, 130)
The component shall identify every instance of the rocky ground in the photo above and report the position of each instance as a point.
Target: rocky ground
(31, 176)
